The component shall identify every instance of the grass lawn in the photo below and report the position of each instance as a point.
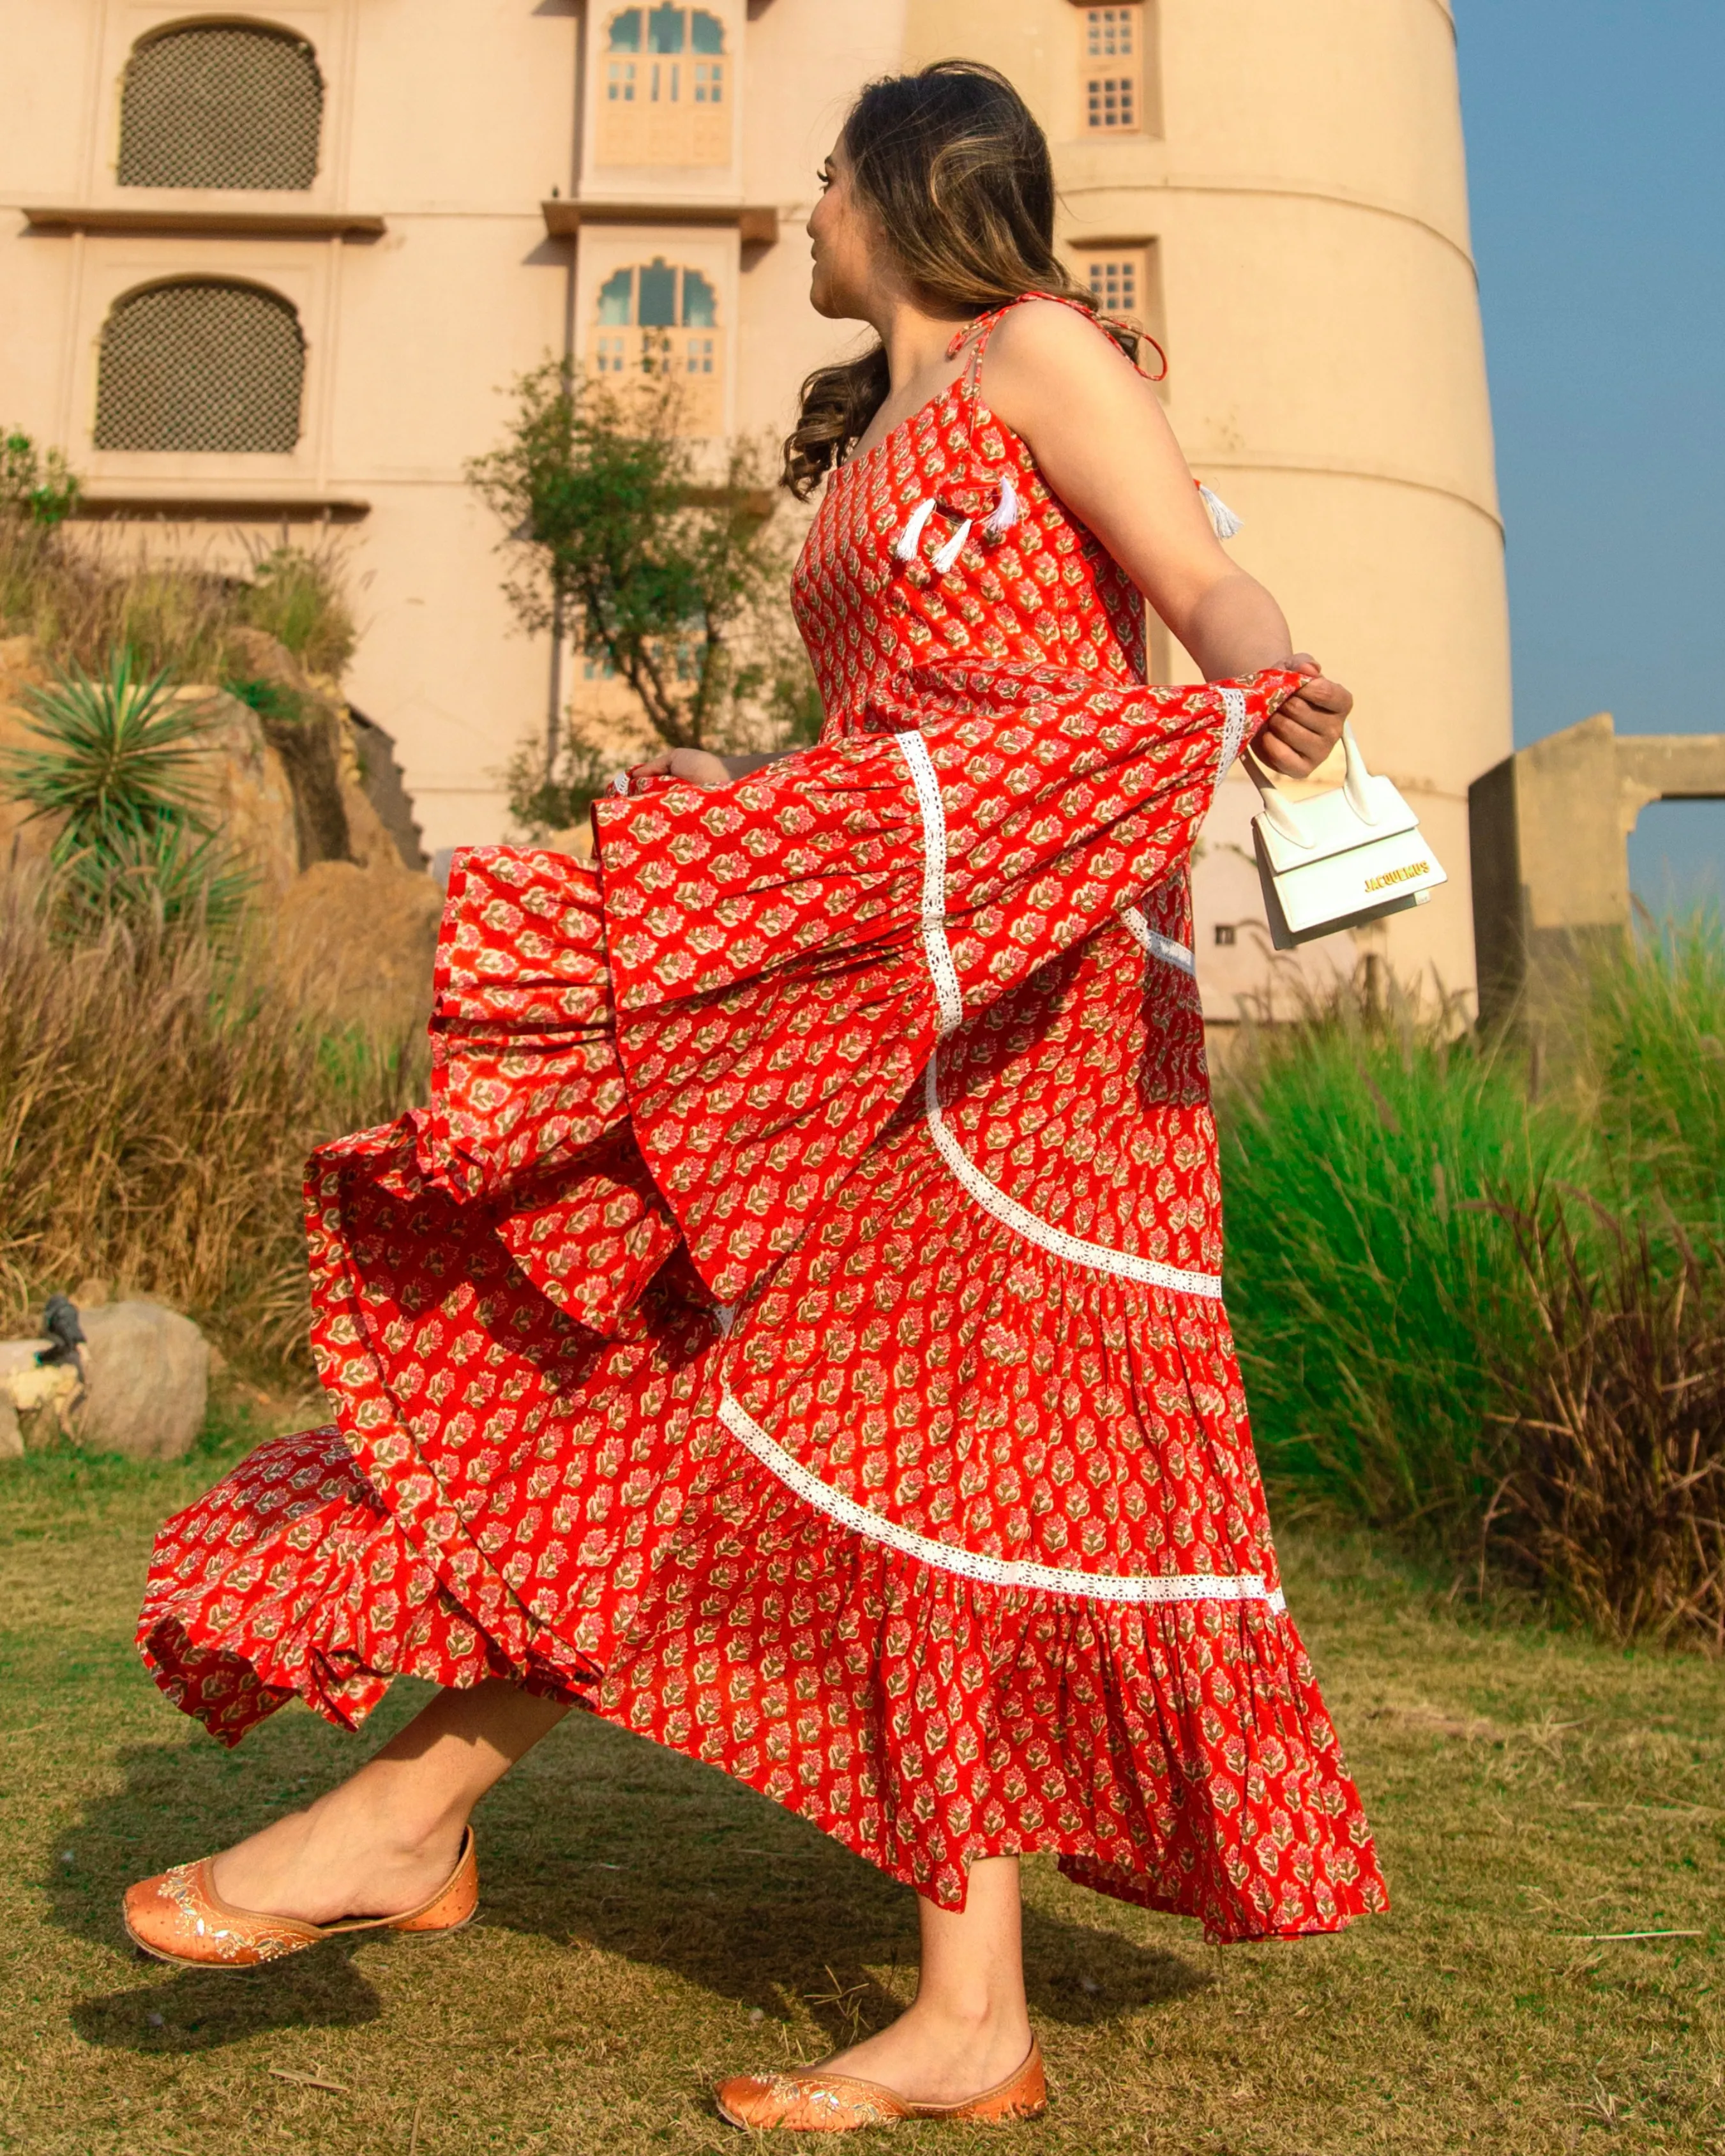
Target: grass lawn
(648, 1926)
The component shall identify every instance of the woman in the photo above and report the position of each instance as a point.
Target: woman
(793, 1330)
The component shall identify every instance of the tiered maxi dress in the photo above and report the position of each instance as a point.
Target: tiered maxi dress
(794, 1330)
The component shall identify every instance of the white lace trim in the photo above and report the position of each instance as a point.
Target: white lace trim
(938, 952)
(1233, 705)
(1158, 947)
(1073, 1248)
(971, 1565)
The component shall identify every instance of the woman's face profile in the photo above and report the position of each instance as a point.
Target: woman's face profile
(842, 234)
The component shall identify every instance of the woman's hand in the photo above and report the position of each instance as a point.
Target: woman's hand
(1308, 726)
(697, 766)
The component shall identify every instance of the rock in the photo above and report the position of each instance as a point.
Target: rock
(244, 791)
(356, 946)
(21, 840)
(29, 1387)
(145, 1381)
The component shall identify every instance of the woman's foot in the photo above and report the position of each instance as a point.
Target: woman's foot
(345, 1855)
(180, 1915)
(935, 2072)
(931, 2055)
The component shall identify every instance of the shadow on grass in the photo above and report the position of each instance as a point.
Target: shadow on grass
(600, 1840)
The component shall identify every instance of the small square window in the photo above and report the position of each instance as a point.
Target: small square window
(1117, 281)
(1112, 60)
(1225, 933)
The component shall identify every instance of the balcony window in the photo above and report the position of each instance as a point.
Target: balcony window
(643, 324)
(665, 92)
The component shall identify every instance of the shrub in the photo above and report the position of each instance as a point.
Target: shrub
(81, 596)
(1655, 1074)
(678, 586)
(1614, 1493)
(297, 597)
(1485, 1321)
(35, 486)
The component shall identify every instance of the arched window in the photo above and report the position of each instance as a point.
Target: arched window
(202, 366)
(666, 99)
(657, 317)
(221, 105)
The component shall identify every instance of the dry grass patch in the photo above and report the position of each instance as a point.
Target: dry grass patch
(158, 1100)
(649, 1926)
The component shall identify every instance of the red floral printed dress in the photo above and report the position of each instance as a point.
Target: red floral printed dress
(795, 1329)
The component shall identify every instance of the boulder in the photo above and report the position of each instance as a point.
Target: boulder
(244, 791)
(29, 1387)
(145, 1381)
(21, 839)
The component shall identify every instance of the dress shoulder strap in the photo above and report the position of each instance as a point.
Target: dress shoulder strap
(976, 334)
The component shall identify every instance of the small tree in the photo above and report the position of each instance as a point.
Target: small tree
(676, 587)
(36, 486)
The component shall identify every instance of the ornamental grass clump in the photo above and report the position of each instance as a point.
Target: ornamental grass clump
(158, 1099)
(1481, 1304)
(173, 600)
(1373, 1293)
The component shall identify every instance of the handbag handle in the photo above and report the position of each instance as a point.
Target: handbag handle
(1281, 814)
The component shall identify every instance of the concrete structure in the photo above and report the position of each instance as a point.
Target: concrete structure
(1550, 831)
(375, 214)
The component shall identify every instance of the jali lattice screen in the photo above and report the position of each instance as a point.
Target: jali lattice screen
(221, 105)
(201, 365)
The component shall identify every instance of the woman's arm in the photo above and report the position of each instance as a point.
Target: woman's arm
(1101, 439)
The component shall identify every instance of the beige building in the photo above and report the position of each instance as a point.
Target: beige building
(282, 266)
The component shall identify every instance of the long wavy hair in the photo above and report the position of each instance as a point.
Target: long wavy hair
(957, 176)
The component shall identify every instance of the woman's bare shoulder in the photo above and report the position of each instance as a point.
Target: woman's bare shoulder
(1042, 350)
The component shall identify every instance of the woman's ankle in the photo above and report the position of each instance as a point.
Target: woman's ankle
(391, 1822)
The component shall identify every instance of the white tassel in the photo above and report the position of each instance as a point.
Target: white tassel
(911, 537)
(954, 548)
(619, 782)
(1223, 521)
(1007, 514)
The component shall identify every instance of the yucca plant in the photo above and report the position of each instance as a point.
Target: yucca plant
(118, 767)
(176, 875)
(118, 754)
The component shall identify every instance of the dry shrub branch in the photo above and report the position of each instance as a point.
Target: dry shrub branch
(1616, 1493)
(157, 1103)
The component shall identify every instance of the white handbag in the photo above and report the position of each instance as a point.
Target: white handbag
(1341, 859)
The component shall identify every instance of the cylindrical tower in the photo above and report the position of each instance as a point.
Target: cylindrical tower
(1286, 187)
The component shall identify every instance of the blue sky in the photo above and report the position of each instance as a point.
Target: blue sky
(1597, 164)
